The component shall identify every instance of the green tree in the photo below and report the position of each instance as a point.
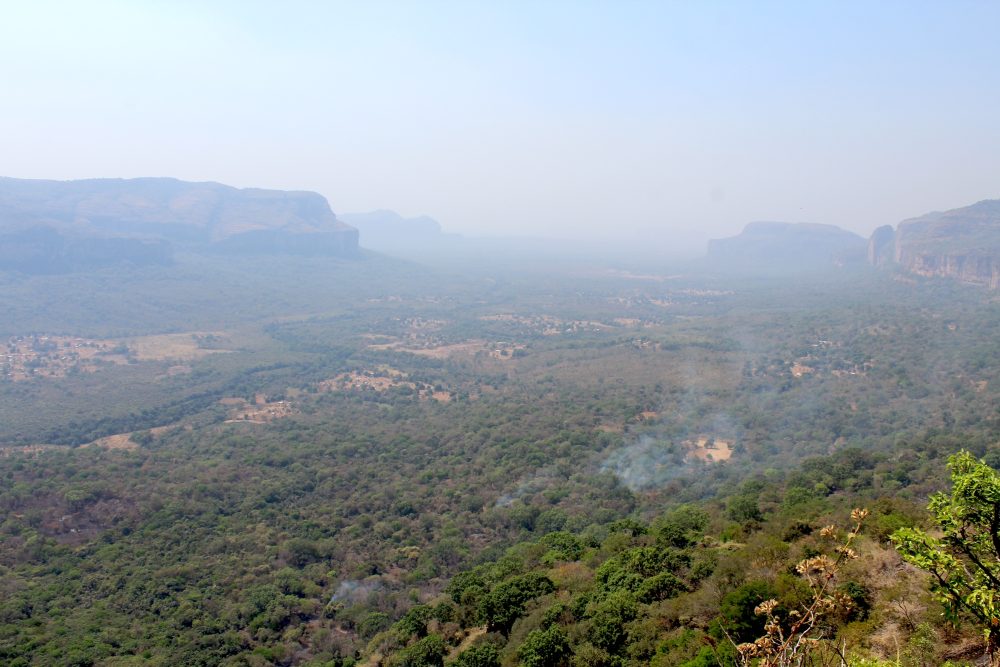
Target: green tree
(505, 604)
(428, 652)
(965, 560)
(544, 648)
(485, 655)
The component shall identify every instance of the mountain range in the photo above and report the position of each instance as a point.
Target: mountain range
(53, 226)
(961, 244)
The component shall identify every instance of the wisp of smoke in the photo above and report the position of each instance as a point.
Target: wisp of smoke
(354, 590)
(646, 463)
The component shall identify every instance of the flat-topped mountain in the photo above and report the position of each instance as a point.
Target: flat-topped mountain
(129, 218)
(963, 243)
(785, 246)
(390, 231)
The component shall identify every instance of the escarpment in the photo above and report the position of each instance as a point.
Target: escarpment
(961, 244)
(59, 226)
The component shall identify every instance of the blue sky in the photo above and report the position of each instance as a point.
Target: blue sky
(677, 120)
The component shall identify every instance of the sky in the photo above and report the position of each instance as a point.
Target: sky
(630, 120)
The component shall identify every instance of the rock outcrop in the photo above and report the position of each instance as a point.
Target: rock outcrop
(781, 247)
(962, 244)
(101, 221)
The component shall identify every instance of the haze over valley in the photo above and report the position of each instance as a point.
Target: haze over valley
(499, 335)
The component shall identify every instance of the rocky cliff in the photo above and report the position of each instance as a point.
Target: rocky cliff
(100, 221)
(962, 244)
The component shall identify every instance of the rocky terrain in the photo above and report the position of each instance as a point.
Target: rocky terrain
(69, 225)
(963, 244)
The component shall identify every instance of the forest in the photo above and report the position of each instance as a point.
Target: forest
(370, 462)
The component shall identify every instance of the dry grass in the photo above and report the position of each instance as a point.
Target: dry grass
(117, 441)
(11, 450)
(181, 346)
(431, 349)
(611, 428)
(473, 635)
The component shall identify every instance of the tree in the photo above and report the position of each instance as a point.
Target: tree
(428, 652)
(964, 561)
(485, 655)
(505, 604)
(544, 648)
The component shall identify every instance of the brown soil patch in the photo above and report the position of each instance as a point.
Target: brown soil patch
(709, 449)
(800, 369)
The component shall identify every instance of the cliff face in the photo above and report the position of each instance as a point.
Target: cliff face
(962, 244)
(143, 218)
(880, 246)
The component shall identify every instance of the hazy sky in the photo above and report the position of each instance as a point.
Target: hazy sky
(532, 118)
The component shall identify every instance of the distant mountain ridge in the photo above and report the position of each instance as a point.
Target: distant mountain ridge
(781, 247)
(126, 219)
(962, 244)
(390, 231)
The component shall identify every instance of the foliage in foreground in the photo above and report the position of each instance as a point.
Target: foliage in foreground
(963, 557)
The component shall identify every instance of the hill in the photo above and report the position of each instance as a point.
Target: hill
(778, 247)
(389, 231)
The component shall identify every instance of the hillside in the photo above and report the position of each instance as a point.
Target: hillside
(66, 225)
(963, 244)
(779, 247)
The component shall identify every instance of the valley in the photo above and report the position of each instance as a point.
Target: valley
(238, 479)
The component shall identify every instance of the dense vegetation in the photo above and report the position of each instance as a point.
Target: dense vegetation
(505, 469)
